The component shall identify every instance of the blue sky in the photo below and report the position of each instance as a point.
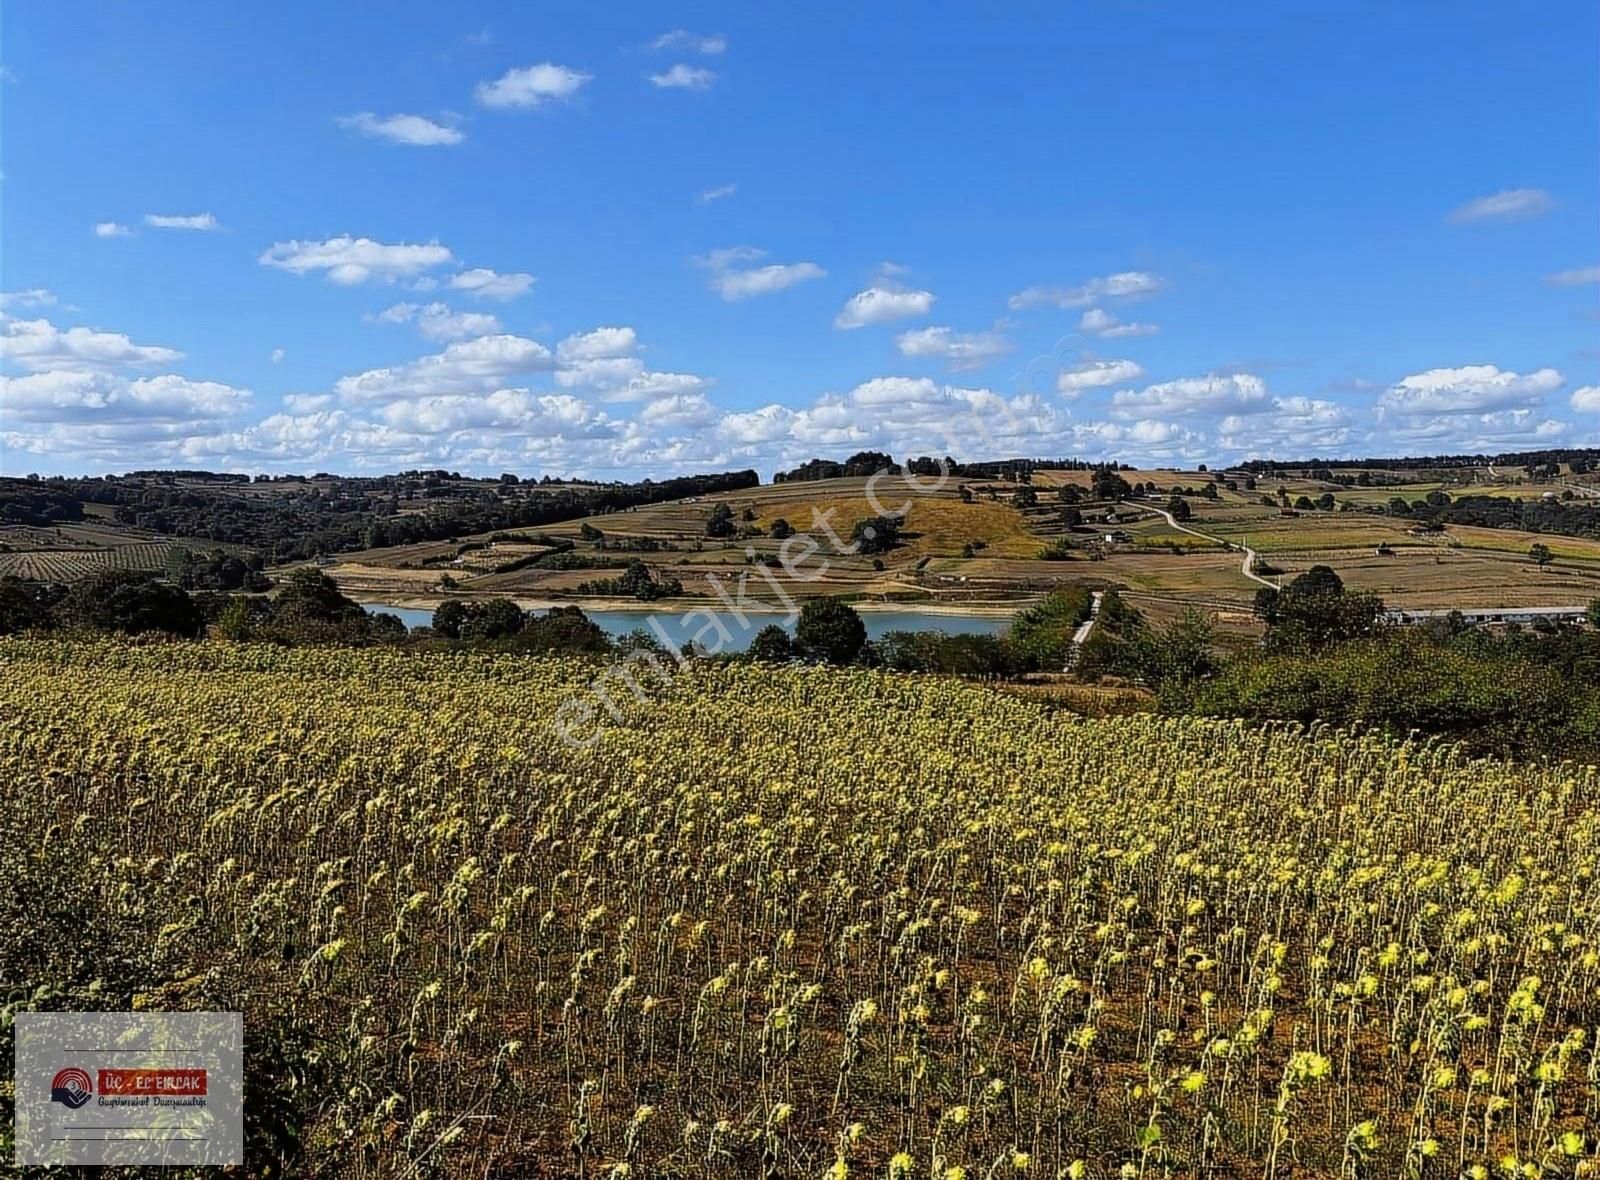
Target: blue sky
(633, 239)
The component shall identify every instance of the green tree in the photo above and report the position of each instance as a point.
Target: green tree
(877, 534)
(1316, 611)
(830, 630)
(23, 607)
(1177, 655)
(1108, 485)
(1594, 614)
(1179, 507)
(974, 655)
(1540, 553)
(133, 603)
(1265, 605)
(1319, 579)
(1025, 497)
(781, 530)
(908, 651)
(772, 645)
(1114, 646)
(308, 597)
(720, 523)
(494, 619)
(638, 581)
(386, 627)
(562, 629)
(449, 617)
(1040, 637)
(233, 624)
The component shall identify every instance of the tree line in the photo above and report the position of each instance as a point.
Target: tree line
(1327, 656)
(294, 522)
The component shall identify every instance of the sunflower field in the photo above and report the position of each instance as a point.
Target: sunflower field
(800, 922)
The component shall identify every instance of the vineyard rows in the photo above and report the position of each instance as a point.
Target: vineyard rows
(69, 565)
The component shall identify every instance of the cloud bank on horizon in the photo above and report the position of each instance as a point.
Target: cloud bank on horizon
(621, 261)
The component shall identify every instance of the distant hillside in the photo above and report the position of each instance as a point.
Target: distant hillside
(1579, 460)
(289, 519)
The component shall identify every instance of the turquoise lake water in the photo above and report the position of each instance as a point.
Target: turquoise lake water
(680, 627)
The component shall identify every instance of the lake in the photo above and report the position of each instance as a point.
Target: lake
(619, 622)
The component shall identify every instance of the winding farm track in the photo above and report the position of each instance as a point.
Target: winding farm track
(1586, 490)
(1247, 568)
(1081, 635)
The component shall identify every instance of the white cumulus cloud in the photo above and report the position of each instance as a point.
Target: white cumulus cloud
(483, 283)
(959, 350)
(437, 321)
(40, 346)
(203, 222)
(880, 305)
(734, 280)
(1099, 322)
(1097, 375)
(1292, 425)
(1234, 393)
(625, 379)
(680, 410)
(598, 344)
(75, 396)
(1127, 284)
(684, 77)
(465, 366)
(110, 229)
(32, 297)
(531, 86)
(1468, 389)
(711, 44)
(413, 130)
(1577, 277)
(1512, 204)
(348, 260)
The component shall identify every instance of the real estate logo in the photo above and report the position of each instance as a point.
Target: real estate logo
(71, 1088)
(127, 1089)
(167, 1083)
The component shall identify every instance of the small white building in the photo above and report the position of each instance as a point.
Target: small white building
(1479, 617)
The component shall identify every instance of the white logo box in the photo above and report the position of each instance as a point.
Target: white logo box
(141, 1089)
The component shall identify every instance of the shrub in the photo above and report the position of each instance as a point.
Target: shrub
(828, 629)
